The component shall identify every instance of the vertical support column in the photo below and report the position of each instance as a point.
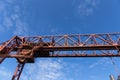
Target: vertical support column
(18, 71)
(66, 40)
(112, 77)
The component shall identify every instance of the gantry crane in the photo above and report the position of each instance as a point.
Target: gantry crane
(26, 49)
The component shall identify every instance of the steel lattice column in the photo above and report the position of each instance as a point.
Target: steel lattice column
(18, 71)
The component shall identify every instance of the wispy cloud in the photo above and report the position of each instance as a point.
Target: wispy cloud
(7, 22)
(5, 74)
(5, 19)
(21, 28)
(103, 61)
(11, 17)
(87, 7)
(45, 70)
(55, 69)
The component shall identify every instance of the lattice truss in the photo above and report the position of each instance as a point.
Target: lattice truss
(25, 49)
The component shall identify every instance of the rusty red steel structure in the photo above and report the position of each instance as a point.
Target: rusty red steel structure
(26, 49)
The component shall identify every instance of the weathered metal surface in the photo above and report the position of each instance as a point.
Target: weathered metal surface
(25, 49)
(80, 45)
(18, 71)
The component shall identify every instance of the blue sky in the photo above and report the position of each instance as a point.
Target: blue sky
(54, 17)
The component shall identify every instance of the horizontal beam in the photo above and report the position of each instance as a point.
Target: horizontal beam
(64, 55)
(14, 56)
(69, 48)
